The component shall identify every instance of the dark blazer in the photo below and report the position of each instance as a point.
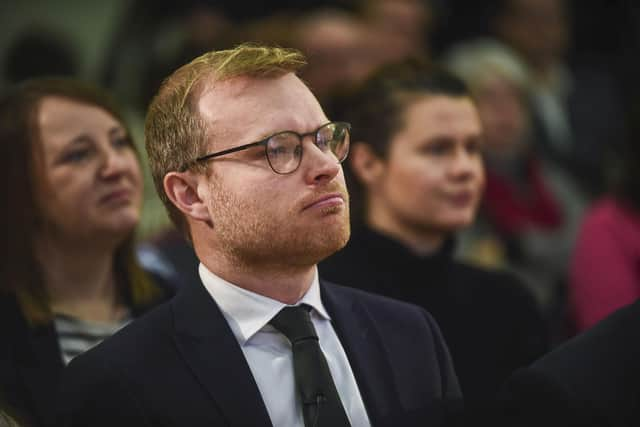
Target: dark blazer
(591, 380)
(31, 362)
(181, 365)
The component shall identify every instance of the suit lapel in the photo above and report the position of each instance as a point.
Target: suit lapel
(210, 349)
(367, 356)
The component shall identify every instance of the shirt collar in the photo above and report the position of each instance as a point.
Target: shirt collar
(248, 312)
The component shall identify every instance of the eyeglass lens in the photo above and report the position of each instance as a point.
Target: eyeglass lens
(284, 150)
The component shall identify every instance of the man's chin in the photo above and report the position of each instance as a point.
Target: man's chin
(333, 243)
(318, 247)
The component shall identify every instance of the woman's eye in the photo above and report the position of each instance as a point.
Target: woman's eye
(436, 149)
(474, 147)
(75, 156)
(123, 141)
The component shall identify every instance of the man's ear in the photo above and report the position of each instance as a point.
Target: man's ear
(182, 189)
(366, 165)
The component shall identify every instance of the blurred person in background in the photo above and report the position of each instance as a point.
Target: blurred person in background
(531, 207)
(342, 46)
(69, 277)
(405, 24)
(416, 176)
(577, 110)
(39, 51)
(359, 38)
(605, 264)
(342, 49)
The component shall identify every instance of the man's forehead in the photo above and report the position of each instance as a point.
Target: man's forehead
(228, 86)
(237, 94)
(257, 106)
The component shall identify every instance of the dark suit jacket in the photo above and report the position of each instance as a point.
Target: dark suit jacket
(181, 366)
(591, 380)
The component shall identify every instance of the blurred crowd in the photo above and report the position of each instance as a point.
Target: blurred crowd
(554, 83)
(557, 102)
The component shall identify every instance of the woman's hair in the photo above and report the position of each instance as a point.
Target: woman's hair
(376, 109)
(484, 59)
(22, 274)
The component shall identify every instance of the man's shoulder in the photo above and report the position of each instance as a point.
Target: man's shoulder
(599, 361)
(611, 341)
(378, 306)
(131, 344)
(590, 380)
(362, 296)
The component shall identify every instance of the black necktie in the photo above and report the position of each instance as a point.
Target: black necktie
(321, 405)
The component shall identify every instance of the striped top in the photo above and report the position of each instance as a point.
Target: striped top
(75, 336)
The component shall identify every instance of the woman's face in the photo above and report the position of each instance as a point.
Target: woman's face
(91, 179)
(433, 175)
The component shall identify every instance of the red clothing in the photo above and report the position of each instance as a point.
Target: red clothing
(512, 212)
(605, 267)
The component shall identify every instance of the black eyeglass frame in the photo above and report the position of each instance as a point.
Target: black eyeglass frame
(264, 142)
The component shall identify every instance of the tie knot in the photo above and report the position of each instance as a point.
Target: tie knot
(295, 323)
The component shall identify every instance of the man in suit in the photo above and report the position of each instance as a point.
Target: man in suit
(592, 380)
(260, 216)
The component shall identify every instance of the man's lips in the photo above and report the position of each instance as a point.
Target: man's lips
(326, 200)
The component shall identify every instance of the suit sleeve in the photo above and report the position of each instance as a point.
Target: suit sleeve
(93, 394)
(532, 398)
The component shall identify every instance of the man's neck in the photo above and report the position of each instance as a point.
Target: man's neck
(284, 282)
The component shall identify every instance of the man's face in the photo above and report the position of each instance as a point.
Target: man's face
(433, 176)
(260, 217)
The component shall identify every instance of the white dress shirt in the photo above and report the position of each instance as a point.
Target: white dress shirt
(269, 355)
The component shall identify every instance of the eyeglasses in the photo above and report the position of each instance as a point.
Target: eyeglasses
(284, 149)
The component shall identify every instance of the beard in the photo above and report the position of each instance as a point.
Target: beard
(250, 233)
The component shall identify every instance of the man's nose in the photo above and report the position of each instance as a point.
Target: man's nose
(319, 166)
